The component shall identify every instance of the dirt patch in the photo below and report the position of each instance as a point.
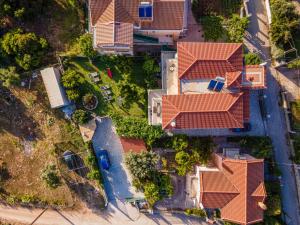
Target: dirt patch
(29, 134)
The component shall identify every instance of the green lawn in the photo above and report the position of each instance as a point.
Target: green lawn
(100, 64)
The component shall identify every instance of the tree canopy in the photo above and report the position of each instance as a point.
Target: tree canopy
(26, 48)
(213, 28)
(72, 81)
(236, 27)
(252, 59)
(285, 20)
(9, 76)
(86, 45)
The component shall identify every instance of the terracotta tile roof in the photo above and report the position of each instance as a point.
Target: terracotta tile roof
(114, 34)
(133, 144)
(254, 77)
(167, 14)
(211, 110)
(198, 60)
(247, 176)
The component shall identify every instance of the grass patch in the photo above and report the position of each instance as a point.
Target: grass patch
(100, 65)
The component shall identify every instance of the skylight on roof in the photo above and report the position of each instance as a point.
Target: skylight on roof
(145, 11)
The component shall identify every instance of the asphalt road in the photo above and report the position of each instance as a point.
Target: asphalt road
(258, 40)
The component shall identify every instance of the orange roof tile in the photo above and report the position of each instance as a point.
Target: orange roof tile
(133, 144)
(167, 14)
(198, 60)
(254, 77)
(212, 110)
(247, 177)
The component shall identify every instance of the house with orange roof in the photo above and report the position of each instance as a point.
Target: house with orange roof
(205, 86)
(117, 25)
(235, 185)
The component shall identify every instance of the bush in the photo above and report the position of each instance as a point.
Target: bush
(273, 203)
(151, 192)
(285, 20)
(80, 116)
(294, 64)
(184, 161)
(142, 165)
(50, 176)
(180, 142)
(72, 81)
(9, 76)
(252, 59)
(212, 25)
(86, 45)
(136, 128)
(236, 27)
(196, 212)
(94, 175)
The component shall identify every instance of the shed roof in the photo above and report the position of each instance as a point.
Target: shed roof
(56, 94)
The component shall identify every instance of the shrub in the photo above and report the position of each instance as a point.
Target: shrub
(184, 161)
(80, 116)
(212, 25)
(9, 76)
(136, 128)
(28, 199)
(294, 64)
(252, 59)
(236, 27)
(151, 192)
(142, 165)
(86, 45)
(71, 79)
(196, 212)
(94, 175)
(180, 142)
(285, 20)
(50, 176)
(273, 203)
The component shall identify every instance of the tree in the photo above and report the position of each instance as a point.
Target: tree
(151, 192)
(71, 79)
(73, 94)
(9, 76)
(236, 27)
(184, 162)
(212, 26)
(129, 91)
(142, 165)
(50, 176)
(285, 20)
(26, 48)
(201, 148)
(150, 68)
(86, 46)
(252, 59)
(180, 142)
(80, 116)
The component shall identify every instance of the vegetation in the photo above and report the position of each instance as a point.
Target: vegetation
(189, 150)
(151, 192)
(80, 116)
(9, 76)
(142, 166)
(146, 178)
(129, 92)
(236, 27)
(137, 128)
(196, 212)
(72, 81)
(4, 173)
(213, 28)
(294, 64)
(151, 68)
(252, 59)
(50, 176)
(25, 48)
(86, 46)
(285, 21)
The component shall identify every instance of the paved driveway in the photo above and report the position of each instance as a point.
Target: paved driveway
(117, 180)
(276, 127)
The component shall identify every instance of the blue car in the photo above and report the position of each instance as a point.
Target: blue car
(103, 159)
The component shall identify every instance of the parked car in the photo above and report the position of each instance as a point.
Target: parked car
(103, 159)
(247, 127)
(70, 159)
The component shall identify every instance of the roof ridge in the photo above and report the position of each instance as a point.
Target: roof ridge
(239, 45)
(233, 103)
(189, 53)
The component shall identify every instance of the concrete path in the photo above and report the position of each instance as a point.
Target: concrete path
(257, 39)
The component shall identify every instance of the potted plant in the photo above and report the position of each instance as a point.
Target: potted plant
(90, 101)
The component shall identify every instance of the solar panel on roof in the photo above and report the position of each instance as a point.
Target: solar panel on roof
(219, 86)
(212, 85)
(145, 11)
